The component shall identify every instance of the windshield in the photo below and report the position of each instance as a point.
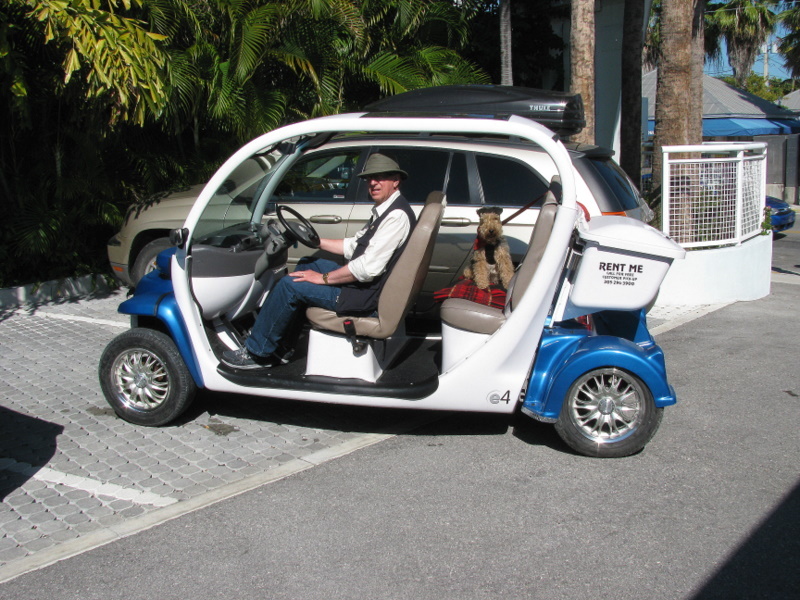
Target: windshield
(238, 196)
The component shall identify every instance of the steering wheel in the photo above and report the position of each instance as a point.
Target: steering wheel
(302, 232)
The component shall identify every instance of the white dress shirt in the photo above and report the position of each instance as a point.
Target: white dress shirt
(391, 234)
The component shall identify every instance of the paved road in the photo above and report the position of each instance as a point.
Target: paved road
(786, 252)
(465, 507)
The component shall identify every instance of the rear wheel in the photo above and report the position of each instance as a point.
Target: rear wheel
(608, 413)
(144, 378)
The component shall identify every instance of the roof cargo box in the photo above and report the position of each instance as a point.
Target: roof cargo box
(560, 111)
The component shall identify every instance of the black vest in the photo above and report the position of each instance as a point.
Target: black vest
(361, 298)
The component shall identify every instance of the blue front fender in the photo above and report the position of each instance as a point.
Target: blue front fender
(154, 297)
(565, 355)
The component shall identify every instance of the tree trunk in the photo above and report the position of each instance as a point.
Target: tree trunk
(506, 74)
(698, 62)
(631, 101)
(676, 122)
(679, 110)
(582, 44)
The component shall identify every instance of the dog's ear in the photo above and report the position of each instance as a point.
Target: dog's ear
(485, 210)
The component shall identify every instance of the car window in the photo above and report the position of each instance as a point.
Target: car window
(427, 171)
(321, 177)
(506, 182)
(609, 184)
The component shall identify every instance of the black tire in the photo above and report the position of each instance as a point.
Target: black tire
(146, 259)
(608, 413)
(144, 378)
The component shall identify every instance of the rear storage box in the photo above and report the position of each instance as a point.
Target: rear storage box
(624, 262)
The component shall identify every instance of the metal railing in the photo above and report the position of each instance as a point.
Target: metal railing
(716, 198)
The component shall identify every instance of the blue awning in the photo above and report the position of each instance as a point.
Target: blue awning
(730, 127)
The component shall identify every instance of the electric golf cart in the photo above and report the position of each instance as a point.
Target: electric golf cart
(570, 346)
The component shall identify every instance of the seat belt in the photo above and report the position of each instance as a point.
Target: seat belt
(350, 332)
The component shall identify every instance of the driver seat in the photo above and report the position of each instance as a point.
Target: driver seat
(362, 347)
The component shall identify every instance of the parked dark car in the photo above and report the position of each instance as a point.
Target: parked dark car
(781, 214)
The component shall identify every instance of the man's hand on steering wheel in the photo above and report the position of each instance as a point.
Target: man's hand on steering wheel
(302, 232)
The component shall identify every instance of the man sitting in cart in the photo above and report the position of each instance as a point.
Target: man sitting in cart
(352, 289)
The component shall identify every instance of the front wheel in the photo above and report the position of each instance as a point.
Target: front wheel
(608, 413)
(144, 378)
(146, 259)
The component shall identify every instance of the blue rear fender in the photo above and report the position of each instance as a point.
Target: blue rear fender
(565, 355)
(154, 297)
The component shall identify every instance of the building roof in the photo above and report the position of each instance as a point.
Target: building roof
(722, 101)
(791, 100)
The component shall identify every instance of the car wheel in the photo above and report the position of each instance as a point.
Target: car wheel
(146, 259)
(144, 378)
(608, 413)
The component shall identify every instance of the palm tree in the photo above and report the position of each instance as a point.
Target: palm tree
(102, 98)
(582, 76)
(790, 44)
(675, 122)
(414, 43)
(70, 72)
(631, 93)
(744, 25)
(652, 42)
(116, 57)
(506, 72)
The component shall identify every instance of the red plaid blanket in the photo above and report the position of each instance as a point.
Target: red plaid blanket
(495, 296)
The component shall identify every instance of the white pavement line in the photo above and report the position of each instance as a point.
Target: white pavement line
(92, 486)
(93, 540)
(76, 318)
(701, 311)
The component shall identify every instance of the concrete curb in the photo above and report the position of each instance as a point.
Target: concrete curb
(49, 291)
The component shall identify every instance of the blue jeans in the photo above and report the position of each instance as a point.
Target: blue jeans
(285, 300)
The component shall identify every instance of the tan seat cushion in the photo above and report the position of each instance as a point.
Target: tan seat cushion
(471, 316)
(329, 320)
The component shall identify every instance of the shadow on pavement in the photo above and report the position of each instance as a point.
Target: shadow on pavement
(26, 445)
(767, 564)
(360, 419)
(342, 417)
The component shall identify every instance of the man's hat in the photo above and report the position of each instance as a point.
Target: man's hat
(378, 163)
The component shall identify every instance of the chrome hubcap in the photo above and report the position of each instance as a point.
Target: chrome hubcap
(606, 405)
(141, 379)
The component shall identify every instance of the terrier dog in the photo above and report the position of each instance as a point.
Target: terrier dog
(491, 260)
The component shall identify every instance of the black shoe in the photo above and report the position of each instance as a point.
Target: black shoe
(243, 359)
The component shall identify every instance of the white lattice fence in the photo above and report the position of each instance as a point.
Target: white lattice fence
(716, 198)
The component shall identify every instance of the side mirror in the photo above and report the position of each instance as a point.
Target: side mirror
(178, 237)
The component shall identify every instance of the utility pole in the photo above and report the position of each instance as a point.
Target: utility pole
(766, 48)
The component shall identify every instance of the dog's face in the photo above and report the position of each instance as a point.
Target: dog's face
(490, 229)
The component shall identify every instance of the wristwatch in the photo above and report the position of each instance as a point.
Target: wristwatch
(325, 278)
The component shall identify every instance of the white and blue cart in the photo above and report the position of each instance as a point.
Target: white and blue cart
(571, 346)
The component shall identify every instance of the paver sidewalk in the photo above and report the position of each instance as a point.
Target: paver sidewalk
(69, 467)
